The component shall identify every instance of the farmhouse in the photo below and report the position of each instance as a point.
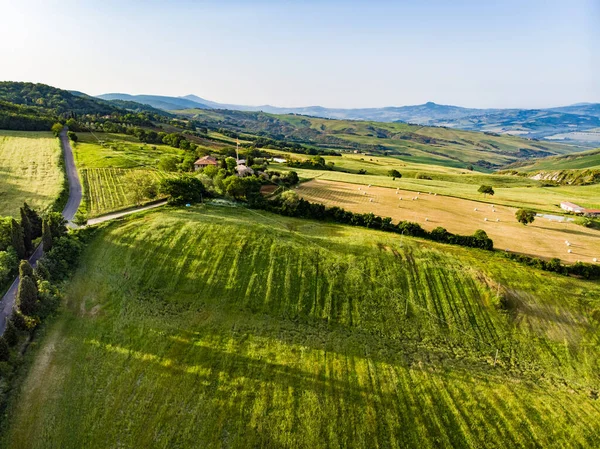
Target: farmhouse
(205, 161)
(571, 207)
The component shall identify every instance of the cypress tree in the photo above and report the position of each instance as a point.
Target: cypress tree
(27, 233)
(34, 220)
(25, 269)
(10, 333)
(4, 350)
(46, 235)
(27, 296)
(17, 239)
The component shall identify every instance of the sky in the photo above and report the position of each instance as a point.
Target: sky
(505, 53)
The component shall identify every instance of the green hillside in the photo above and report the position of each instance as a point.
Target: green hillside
(225, 327)
(583, 160)
(441, 146)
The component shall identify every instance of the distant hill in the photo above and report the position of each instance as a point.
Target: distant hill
(157, 101)
(416, 143)
(566, 121)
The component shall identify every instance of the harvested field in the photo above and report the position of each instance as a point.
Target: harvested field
(542, 238)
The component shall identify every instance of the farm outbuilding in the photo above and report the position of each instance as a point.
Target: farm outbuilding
(572, 207)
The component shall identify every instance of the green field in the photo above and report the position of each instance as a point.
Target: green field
(580, 161)
(226, 327)
(102, 150)
(29, 170)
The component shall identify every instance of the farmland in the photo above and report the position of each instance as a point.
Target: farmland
(513, 191)
(29, 170)
(211, 327)
(544, 238)
(108, 164)
(108, 189)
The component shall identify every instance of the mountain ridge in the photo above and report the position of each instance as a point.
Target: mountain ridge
(532, 123)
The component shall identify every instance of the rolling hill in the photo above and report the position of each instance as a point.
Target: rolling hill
(226, 327)
(435, 145)
(156, 101)
(534, 123)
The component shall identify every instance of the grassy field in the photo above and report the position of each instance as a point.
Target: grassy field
(544, 238)
(29, 170)
(102, 150)
(218, 327)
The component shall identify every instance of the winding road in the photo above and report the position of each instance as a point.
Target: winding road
(75, 195)
(8, 300)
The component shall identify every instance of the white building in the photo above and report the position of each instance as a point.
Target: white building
(571, 207)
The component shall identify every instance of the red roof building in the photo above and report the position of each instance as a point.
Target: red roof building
(205, 161)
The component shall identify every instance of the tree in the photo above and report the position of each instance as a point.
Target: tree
(4, 350)
(80, 218)
(231, 163)
(168, 163)
(57, 224)
(11, 334)
(182, 190)
(16, 239)
(486, 190)
(57, 128)
(46, 235)
(27, 296)
(394, 173)
(34, 220)
(72, 136)
(27, 231)
(141, 186)
(25, 269)
(525, 216)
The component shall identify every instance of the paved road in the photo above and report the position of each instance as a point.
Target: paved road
(8, 301)
(104, 218)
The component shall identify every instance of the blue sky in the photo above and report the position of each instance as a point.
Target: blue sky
(528, 53)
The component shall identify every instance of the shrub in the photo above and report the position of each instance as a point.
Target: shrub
(422, 176)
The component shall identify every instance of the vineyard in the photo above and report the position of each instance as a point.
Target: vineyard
(216, 327)
(108, 189)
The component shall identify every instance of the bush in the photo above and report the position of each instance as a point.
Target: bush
(422, 176)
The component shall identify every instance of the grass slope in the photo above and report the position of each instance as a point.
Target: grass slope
(29, 170)
(214, 327)
(584, 160)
